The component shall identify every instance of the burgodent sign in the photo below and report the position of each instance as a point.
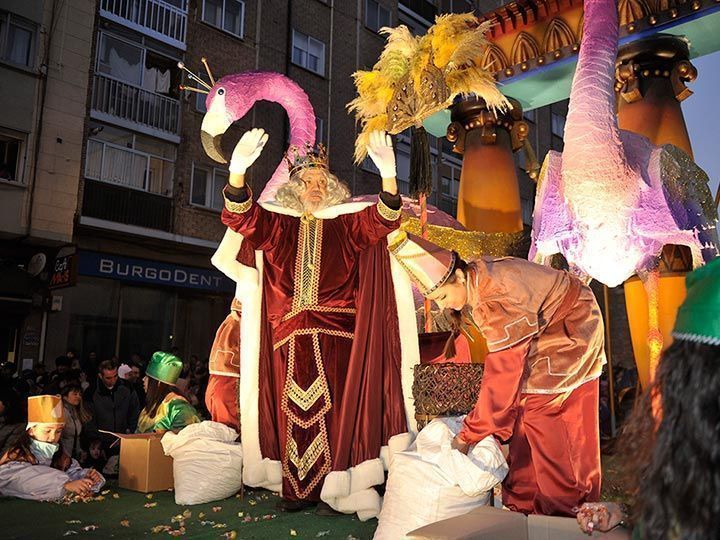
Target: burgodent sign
(151, 272)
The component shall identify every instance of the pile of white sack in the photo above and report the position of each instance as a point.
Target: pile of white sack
(430, 481)
(207, 462)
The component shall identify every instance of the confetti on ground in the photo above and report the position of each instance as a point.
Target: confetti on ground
(293, 532)
(252, 502)
(207, 522)
(116, 495)
(105, 492)
(149, 496)
(219, 526)
(125, 523)
(68, 533)
(150, 505)
(247, 519)
(217, 508)
(177, 532)
(161, 528)
(89, 528)
(201, 515)
(73, 522)
(230, 535)
(322, 533)
(187, 514)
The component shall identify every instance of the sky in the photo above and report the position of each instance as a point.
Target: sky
(702, 115)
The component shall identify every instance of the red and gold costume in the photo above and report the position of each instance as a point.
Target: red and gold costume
(540, 389)
(330, 392)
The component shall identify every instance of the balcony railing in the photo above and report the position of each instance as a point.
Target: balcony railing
(129, 168)
(132, 107)
(166, 21)
(128, 206)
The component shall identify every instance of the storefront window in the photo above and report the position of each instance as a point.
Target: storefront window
(147, 321)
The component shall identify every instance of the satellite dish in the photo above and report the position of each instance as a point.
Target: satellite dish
(36, 264)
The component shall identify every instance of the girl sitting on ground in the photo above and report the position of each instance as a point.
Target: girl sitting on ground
(35, 467)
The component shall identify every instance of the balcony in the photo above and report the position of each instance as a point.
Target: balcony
(163, 20)
(129, 206)
(134, 108)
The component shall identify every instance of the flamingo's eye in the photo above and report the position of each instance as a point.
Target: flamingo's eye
(220, 91)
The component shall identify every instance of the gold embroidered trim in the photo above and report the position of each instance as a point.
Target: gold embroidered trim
(320, 381)
(320, 446)
(321, 309)
(306, 398)
(307, 331)
(386, 212)
(323, 445)
(236, 207)
(311, 455)
(307, 263)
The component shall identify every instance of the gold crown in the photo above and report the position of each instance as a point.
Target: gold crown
(310, 158)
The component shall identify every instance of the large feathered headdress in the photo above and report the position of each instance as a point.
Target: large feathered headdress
(417, 76)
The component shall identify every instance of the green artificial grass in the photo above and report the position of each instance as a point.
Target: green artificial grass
(253, 517)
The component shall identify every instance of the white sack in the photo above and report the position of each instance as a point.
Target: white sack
(207, 462)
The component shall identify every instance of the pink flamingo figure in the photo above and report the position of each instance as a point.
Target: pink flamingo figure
(231, 97)
(612, 199)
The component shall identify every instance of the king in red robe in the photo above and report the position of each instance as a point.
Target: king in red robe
(330, 393)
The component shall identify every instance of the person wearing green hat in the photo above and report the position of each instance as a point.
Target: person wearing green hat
(165, 409)
(672, 456)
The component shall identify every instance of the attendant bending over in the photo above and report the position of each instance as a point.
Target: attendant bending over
(540, 389)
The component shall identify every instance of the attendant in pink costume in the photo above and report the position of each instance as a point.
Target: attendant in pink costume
(540, 386)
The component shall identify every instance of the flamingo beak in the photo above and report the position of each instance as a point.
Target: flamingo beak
(214, 125)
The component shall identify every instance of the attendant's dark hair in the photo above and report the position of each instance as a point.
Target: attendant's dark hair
(454, 317)
(156, 393)
(674, 466)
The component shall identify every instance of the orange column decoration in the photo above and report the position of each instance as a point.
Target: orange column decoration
(489, 196)
(650, 84)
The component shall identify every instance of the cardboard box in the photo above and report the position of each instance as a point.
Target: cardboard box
(489, 523)
(144, 466)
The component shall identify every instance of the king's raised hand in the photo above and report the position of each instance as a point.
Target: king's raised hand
(247, 150)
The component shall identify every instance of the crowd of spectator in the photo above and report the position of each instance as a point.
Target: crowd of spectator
(98, 397)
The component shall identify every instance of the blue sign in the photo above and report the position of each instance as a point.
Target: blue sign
(152, 272)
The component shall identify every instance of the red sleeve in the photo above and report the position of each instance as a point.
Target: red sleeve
(496, 407)
(371, 224)
(257, 225)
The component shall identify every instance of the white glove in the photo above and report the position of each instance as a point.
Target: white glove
(381, 151)
(247, 150)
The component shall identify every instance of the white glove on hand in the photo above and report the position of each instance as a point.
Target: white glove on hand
(247, 150)
(381, 151)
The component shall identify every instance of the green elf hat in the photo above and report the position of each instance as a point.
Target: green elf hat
(164, 367)
(698, 318)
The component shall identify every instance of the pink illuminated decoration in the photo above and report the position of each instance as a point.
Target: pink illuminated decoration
(612, 200)
(232, 97)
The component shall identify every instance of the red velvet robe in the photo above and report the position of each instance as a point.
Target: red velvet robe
(330, 386)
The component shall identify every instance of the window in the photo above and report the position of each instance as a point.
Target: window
(207, 187)
(17, 39)
(120, 59)
(376, 16)
(200, 102)
(228, 15)
(558, 125)
(319, 130)
(308, 52)
(449, 186)
(10, 148)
